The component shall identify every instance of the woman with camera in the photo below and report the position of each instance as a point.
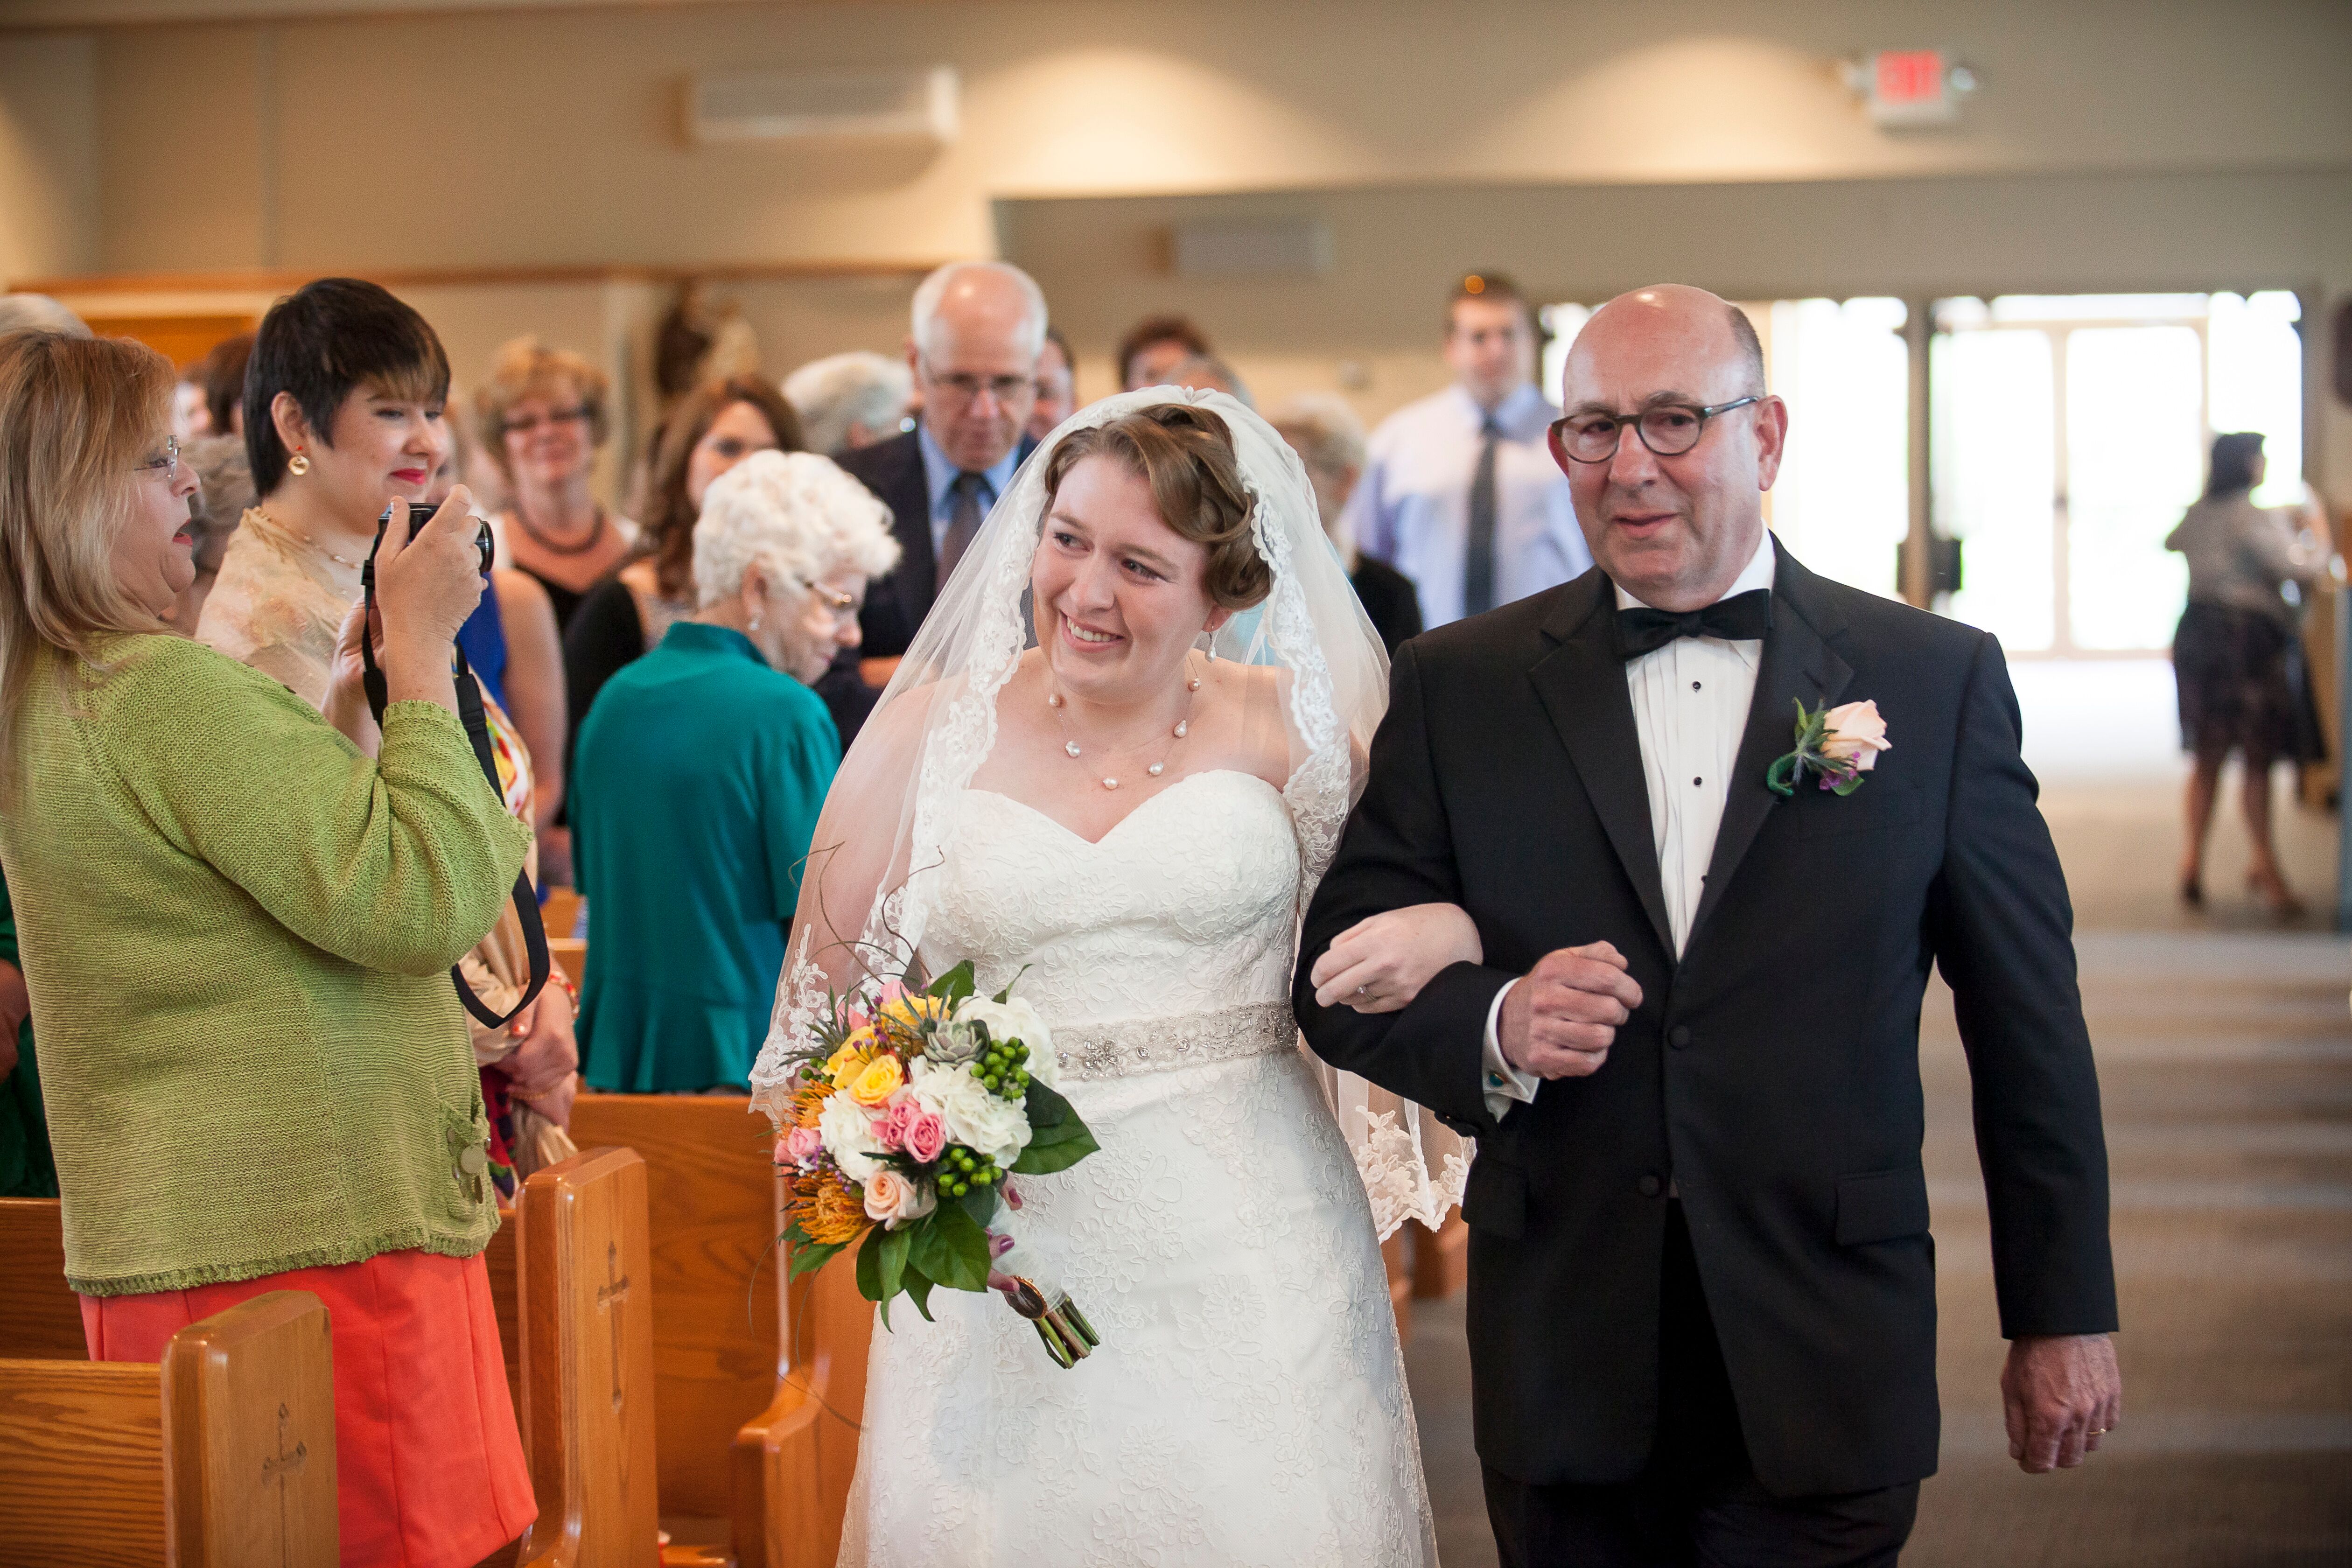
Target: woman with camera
(344, 413)
(237, 929)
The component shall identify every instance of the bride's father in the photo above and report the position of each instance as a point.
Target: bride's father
(1702, 1305)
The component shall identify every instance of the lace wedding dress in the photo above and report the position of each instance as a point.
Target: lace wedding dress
(1247, 1405)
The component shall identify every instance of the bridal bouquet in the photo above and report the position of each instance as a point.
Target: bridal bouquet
(908, 1120)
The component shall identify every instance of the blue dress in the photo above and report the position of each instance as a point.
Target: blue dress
(694, 794)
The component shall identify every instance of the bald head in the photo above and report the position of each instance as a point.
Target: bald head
(1675, 529)
(977, 329)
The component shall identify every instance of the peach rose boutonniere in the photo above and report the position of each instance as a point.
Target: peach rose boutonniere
(1836, 745)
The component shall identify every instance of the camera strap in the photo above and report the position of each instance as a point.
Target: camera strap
(478, 730)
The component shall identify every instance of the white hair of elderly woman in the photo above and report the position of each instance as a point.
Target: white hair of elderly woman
(860, 387)
(793, 514)
(933, 289)
(1323, 430)
(38, 313)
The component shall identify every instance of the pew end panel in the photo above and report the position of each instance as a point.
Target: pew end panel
(40, 1316)
(248, 1405)
(794, 1462)
(588, 1363)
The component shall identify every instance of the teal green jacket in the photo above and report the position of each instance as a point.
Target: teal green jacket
(694, 792)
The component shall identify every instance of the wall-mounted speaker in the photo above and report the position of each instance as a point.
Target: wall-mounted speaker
(1272, 248)
(906, 106)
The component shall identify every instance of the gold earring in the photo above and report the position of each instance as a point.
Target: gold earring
(298, 464)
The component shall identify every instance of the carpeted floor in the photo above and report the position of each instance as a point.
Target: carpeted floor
(2225, 1058)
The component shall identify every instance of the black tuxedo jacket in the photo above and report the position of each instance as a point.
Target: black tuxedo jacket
(896, 606)
(1772, 1073)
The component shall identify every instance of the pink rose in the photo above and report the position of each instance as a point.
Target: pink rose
(1856, 734)
(925, 1135)
(893, 1198)
(802, 1145)
(890, 1127)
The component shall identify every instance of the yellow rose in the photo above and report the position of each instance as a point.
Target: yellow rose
(910, 1014)
(877, 1080)
(844, 1063)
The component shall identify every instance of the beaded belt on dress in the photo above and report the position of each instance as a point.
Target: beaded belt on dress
(1125, 1047)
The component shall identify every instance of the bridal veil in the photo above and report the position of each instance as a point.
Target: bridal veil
(865, 892)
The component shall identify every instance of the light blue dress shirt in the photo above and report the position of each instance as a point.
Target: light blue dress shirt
(1411, 509)
(939, 477)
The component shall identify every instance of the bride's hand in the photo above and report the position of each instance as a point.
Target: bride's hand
(1380, 964)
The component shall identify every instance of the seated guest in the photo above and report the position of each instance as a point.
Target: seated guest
(1058, 386)
(849, 401)
(1330, 439)
(345, 412)
(37, 313)
(224, 479)
(716, 426)
(224, 373)
(700, 772)
(238, 929)
(1155, 346)
(543, 416)
(190, 416)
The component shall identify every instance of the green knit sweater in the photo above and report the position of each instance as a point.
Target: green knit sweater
(236, 931)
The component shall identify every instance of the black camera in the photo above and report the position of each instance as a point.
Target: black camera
(418, 515)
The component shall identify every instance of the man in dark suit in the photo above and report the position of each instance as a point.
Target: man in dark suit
(1701, 1293)
(974, 341)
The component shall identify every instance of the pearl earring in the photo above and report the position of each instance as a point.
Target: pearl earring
(298, 464)
(755, 623)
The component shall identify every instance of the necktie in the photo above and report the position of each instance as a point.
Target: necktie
(1740, 619)
(1478, 560)
(963, 522)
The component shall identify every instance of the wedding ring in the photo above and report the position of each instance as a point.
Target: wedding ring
(2101, 1431)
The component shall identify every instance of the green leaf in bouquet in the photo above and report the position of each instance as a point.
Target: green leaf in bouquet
(891, 1264)
(1058, 1139)
(956, 984)
(869, 1266)
(808, 1256)
(1005, 995)
(951, 1247)
(919, 1291)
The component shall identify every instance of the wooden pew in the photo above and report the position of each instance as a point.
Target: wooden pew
(585, 1312)
(221, 1457)
(711, 1186)
(40, 1316)
(793, 1462)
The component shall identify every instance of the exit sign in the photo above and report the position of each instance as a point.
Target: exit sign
(1910, 87)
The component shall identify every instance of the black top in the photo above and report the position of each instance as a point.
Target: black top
(604, 635)
(1389, 599)
(1772, 1071)
(566, 600)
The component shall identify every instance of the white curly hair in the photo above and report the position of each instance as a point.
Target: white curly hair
(795, 515)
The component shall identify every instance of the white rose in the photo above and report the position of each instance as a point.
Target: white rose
(983, 1122)
(1016, 1020)
(847, 1128)
(894, 1198)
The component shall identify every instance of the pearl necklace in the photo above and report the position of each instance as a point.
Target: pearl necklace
(338, 560)
(1055, 700)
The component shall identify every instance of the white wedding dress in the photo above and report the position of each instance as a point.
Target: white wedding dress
(1248, 1404)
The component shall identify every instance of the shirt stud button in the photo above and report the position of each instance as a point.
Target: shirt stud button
(1694, 686)
(1678, 1037)
(1698, 780)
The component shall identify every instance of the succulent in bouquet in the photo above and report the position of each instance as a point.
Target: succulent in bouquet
(909, 1119)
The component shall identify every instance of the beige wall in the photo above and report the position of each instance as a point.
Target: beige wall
(2114, 145)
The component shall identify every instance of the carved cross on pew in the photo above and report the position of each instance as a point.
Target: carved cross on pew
(609, 1300)
(281, 1469)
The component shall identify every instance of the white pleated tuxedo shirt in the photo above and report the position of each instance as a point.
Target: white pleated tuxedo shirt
(1690, 710)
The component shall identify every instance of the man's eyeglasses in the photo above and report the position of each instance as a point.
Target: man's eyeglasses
(579, 413)
(967, 387)
(167, 466)
(1668, 429)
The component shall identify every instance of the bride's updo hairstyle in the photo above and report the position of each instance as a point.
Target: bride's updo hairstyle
(1186, 456)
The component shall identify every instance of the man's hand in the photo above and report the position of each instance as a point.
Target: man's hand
(1560, 1019)
(2060, 1393)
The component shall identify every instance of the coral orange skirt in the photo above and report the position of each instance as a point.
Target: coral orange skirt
(429, 1466)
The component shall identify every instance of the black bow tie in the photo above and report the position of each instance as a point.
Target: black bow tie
(1740, 619)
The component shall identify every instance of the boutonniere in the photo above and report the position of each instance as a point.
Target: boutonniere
(1837, 745)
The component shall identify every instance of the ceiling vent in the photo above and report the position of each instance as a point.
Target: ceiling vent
(917, 106)
(1274, 247)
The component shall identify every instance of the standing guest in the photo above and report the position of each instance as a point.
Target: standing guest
(850, 401)
(976, 333)
(1461, 494)
(543, 416)
(1155, 346)
(1057, 384)
(701, 771)
(224, 494)
(718, 426)
(2233, 653)
(283, 1099)
(1207, 373)
(1330, 439)
(37, 313)
(344, 414)
(224, 376)
(190, 416)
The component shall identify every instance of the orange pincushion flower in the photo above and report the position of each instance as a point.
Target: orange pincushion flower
(828, 1209)
(808, 1104)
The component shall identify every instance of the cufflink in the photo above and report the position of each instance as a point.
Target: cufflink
(1493, 1080)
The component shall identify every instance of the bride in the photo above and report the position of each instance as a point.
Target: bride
(1109, 773)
